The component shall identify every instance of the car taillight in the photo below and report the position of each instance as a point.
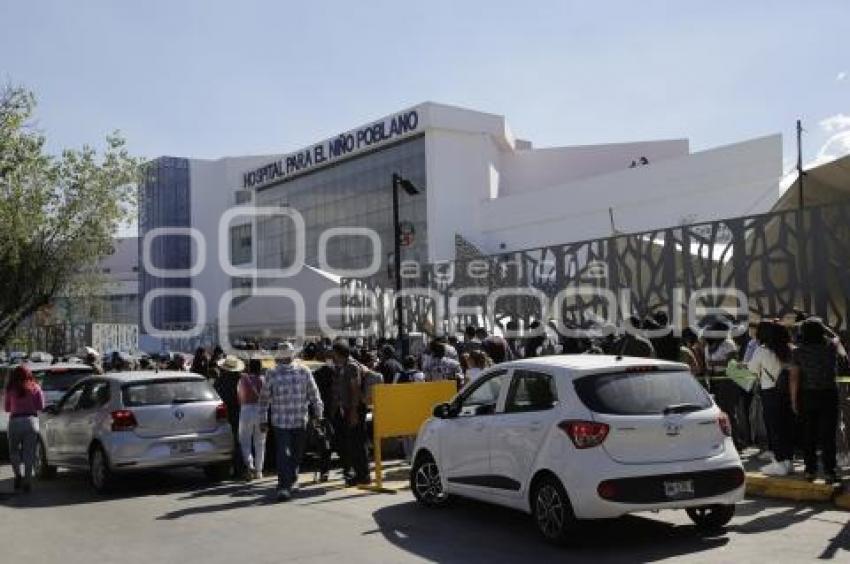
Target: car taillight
(123, 420)
(724, 424)
(221, 412)
(585, 434)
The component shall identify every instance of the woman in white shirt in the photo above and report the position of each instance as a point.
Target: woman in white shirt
(769, 361)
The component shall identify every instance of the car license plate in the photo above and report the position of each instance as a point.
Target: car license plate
(182, 448)
(680, 489)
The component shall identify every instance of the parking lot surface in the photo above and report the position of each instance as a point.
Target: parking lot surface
(179, 517)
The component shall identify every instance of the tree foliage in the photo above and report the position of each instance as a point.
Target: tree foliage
(58, 214)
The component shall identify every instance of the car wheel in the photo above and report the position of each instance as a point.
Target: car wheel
(426, 483)
(217, 472)
(711, 517)
(553, 513)
(99, 472)
(41, 468)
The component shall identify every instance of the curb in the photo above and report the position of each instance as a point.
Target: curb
(795, 489)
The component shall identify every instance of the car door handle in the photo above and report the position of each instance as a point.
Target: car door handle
(536, 426)
(479, 427)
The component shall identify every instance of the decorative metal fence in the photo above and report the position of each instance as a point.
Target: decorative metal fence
(782, 262)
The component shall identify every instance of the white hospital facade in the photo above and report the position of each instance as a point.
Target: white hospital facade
(475, 179)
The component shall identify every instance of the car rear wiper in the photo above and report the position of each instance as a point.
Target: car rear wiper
(681, 408)
(184, 400)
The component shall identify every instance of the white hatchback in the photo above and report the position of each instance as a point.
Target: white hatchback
(577, 437)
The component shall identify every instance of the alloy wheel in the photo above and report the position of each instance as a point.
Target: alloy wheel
(549, 509)
(428, 484)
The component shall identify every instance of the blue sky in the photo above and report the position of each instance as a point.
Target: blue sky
(209, 79)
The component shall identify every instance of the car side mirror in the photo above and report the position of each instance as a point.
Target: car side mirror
(51, 409)
(442, 411)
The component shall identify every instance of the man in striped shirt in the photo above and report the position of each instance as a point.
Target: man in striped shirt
(290, 391)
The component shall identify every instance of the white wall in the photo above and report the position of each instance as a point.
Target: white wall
(213, 186)
(121, 279)
(460, 169)
(525, 171)
(724, 182)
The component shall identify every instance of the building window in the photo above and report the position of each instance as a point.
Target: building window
(243, 284)
(240, 244)
(243, 197)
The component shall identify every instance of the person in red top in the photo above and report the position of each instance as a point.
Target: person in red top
(24, 399)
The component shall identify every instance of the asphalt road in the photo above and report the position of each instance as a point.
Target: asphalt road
(178, 517)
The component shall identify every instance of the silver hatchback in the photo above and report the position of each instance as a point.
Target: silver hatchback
(130, 421)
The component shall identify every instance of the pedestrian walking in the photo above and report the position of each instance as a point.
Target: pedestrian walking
(24, 399)
(252, 439)
(289, 394)
(814, 397)
(349, 413)
(227, 385)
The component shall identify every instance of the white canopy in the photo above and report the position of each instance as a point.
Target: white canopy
(287, 307)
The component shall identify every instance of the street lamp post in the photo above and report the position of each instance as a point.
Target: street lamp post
(407, 186)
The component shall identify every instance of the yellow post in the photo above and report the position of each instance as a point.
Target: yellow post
(399, 410)
(379, 467)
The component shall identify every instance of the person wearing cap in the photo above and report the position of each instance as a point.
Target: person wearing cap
(289, 393)
(227, 386)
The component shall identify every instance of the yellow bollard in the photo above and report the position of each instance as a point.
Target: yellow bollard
(399, 410)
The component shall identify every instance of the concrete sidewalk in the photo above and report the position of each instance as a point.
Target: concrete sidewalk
(793, 487)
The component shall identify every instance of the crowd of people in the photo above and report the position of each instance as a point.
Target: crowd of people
(319, 396)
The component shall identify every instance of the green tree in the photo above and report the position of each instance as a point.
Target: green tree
(58, 214)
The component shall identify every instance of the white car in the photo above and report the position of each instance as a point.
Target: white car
(131, 421)
(574, 437)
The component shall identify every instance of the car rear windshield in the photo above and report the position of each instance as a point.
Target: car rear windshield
(167, 392)
(60, 380)
(641, 393)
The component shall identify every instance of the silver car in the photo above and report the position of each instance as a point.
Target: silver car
(130, 421)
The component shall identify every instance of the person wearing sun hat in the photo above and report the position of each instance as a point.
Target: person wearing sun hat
(227, 386)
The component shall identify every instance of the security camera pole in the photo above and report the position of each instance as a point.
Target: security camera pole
(411, 190)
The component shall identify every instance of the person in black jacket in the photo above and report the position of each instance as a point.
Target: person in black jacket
(324, 376)
(227, 387)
